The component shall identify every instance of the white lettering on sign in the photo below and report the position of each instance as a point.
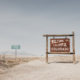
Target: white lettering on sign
(62, 45)
(55, 49)
(61, 41)
(54, 41)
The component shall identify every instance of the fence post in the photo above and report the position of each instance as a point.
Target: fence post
(4, 56)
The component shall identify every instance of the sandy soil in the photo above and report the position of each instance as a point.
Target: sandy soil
(58, 68)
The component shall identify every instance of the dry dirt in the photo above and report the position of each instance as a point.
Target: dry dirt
(35, 68)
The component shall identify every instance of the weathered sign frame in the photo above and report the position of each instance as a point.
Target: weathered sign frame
(59, 35)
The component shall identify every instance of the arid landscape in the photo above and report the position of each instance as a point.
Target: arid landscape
(35, 68)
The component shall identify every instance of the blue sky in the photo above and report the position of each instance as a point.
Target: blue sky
(24, 22)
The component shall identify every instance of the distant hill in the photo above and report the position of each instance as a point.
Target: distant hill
(13, 53)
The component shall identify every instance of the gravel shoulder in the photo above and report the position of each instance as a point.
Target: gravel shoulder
(38, 70)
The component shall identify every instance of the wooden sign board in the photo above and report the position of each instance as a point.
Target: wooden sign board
(60, 45)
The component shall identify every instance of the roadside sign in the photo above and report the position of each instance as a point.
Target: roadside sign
(60, 45)
(15, 47)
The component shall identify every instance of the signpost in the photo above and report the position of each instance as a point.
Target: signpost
(15, 47)
(60, 45)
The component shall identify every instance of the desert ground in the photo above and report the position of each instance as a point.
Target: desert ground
(35, 68)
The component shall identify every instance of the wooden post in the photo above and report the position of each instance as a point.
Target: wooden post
(47, 49)
(73, 46)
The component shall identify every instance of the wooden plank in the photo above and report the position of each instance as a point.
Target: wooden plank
(49, 35)
(60, 52)
(73, 46)
(47, 49)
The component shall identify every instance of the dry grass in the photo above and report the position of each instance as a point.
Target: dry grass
(10, 60)
(35, 68)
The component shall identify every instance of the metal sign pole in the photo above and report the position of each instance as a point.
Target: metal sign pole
(4, 56)
(15, 54)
